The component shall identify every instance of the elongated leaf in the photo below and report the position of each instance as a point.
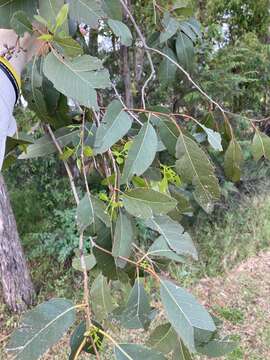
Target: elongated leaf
(185, 51)
(68, 46)
(160, 248)
(141, 154)
(78, 78)
(20, 23)
(171, 26)
(185, 314)
(260, 146)
(89, 210)
(41, 328)
(122, 31)
(187, 29)
(101, 298)
(123, 239)
(233, 161)
(45, 146)
(137, 313)
(163, 339)
(167, 69)
(214, 138)
(136, 352)
(194, 167)
(113, 9)
(85, 213)
(9, 7)
(144, 203)
(90, 262)
(115, 124)
(100, 211)
(87, 11)
(78, 337)
(217, 348)
(174, 234)
(168, 133)
(49, 9)
(181, 352)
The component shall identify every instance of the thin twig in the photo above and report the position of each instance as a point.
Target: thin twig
(124, 105)
(69, 172)
(81, 248)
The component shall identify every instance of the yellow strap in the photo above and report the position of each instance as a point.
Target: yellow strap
(12, 70)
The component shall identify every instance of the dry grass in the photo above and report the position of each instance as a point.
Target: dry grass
(245, 290)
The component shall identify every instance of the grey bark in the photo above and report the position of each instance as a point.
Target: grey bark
(17, 287)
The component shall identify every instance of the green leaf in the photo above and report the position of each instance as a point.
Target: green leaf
(62, 16)
(114, 126)
(181, 352)
(233, 161)
(217, 348)
(44, 22)
(141, 154)
(90, 262)
(9, 7)
(78, 78)
(113, 9)
(136, 352)
(168, 133)
(101, 299)
(45, 146)
(137, 313)
(122, 31)
(160, 248)
(87, 11)
(41, 328)
(162, 339)
(214, 138)
(100, 211)
(123, 239)
(49, 10)
(89, 210)
(195, 168)
(144, 203)
(185, 314)
(85, 213)
(78, 337)
(20, 23)
(260, 146)
(19, 139)
(167, 69)
(70, 47)
(185, 51)
(171, 25)
(174, 234)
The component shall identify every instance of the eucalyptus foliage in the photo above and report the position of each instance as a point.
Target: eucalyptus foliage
(154, 166)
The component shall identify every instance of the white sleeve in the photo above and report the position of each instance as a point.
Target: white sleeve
(7, 122)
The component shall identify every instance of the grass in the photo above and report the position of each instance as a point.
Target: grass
(229, 237)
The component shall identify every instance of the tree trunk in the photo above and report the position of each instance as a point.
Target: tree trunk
(126, 76)
(17, 287)
(125, 69)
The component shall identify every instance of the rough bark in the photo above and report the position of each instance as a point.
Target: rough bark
(18, 290)
(126, 76)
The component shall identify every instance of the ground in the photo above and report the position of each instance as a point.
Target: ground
(241, 299)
